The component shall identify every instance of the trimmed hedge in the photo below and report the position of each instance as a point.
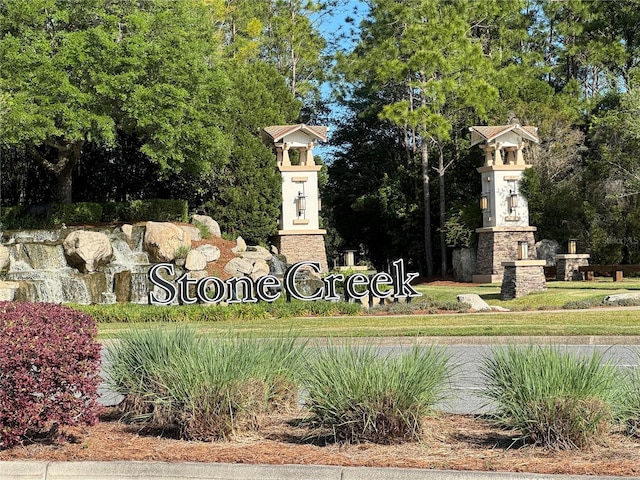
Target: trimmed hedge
(76, 213)
(49, 370)
(135, 313)
(156, 210)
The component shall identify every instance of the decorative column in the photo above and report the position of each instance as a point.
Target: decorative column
(567, 264)
(300, 237)
(522, 277)
(505, 214)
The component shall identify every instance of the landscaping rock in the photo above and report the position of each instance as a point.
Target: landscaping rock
(195, 261)
(127, 229)
(256, 253)
(4, 258)
(464, 264)
(241, 246)
(87, 251)
(193, 231)
(621, 297)
(260, 269)
(547, 250)
(476, 303)
(239, 267)
(163, 240)
(211, 252)
(8, 291)
(210, 223)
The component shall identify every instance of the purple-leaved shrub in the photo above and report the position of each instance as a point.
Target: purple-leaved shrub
(49, 370)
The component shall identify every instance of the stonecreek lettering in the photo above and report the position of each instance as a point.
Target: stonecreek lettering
(358, 286)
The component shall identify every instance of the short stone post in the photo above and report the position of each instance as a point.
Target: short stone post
(522, 277)
(349, 258)
(567, 266)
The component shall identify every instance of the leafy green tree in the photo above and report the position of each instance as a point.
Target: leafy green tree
(246, 196)
(282, 33)
(424, 48)
(373, 191)
(76, 73)
(614, 172)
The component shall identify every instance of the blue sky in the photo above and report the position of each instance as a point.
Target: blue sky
(342, 35)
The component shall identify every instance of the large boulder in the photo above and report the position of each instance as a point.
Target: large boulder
(260, 269)
(87, 251)
(547, 250)
(621, 298)
(210, 223)
(164, 241)
(193, 231)
(464, 264)
(241, 246)
(256, 253)
(8, 290)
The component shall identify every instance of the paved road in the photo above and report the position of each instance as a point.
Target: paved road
(467, 382)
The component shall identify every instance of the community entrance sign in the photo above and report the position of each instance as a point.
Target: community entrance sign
(185, 290)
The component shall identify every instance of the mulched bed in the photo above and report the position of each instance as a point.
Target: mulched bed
(457, 442)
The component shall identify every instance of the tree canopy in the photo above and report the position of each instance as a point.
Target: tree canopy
(107, 101)
(422, 71)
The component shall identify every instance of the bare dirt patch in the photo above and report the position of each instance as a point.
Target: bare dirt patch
(457, 442)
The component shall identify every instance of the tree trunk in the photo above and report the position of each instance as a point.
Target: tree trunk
(426, 197)
(443, 213)
(67, 158)
(64, 181)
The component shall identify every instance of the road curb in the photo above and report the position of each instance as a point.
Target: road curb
(228, 471)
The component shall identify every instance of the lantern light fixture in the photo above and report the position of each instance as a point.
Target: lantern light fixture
(572, 245)
(512, 201)
(523, 250)
(301, 203)
(484, 202)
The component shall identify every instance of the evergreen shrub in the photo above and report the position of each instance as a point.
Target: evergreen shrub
(17, 217)
(49, 370)
(135, 313)
(357, 394)
(156, 210)
(76, 213)
(555, 398)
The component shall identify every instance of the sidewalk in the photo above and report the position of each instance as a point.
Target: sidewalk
(225, 471)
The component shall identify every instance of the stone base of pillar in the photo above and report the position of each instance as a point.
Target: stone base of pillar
(303, 247)
(521, 278)
(567, 266)
(497, 245)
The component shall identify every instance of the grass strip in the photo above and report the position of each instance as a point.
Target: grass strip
(625, 321)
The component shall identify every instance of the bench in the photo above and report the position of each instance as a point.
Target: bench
(616, 271)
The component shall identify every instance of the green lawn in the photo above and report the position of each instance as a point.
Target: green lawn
(530, 315)
(556, 296)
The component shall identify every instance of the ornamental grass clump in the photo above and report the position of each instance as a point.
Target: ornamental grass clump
(357, 394)
(49, 371)
(203, 388)
(630, 399)
(555, 398)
